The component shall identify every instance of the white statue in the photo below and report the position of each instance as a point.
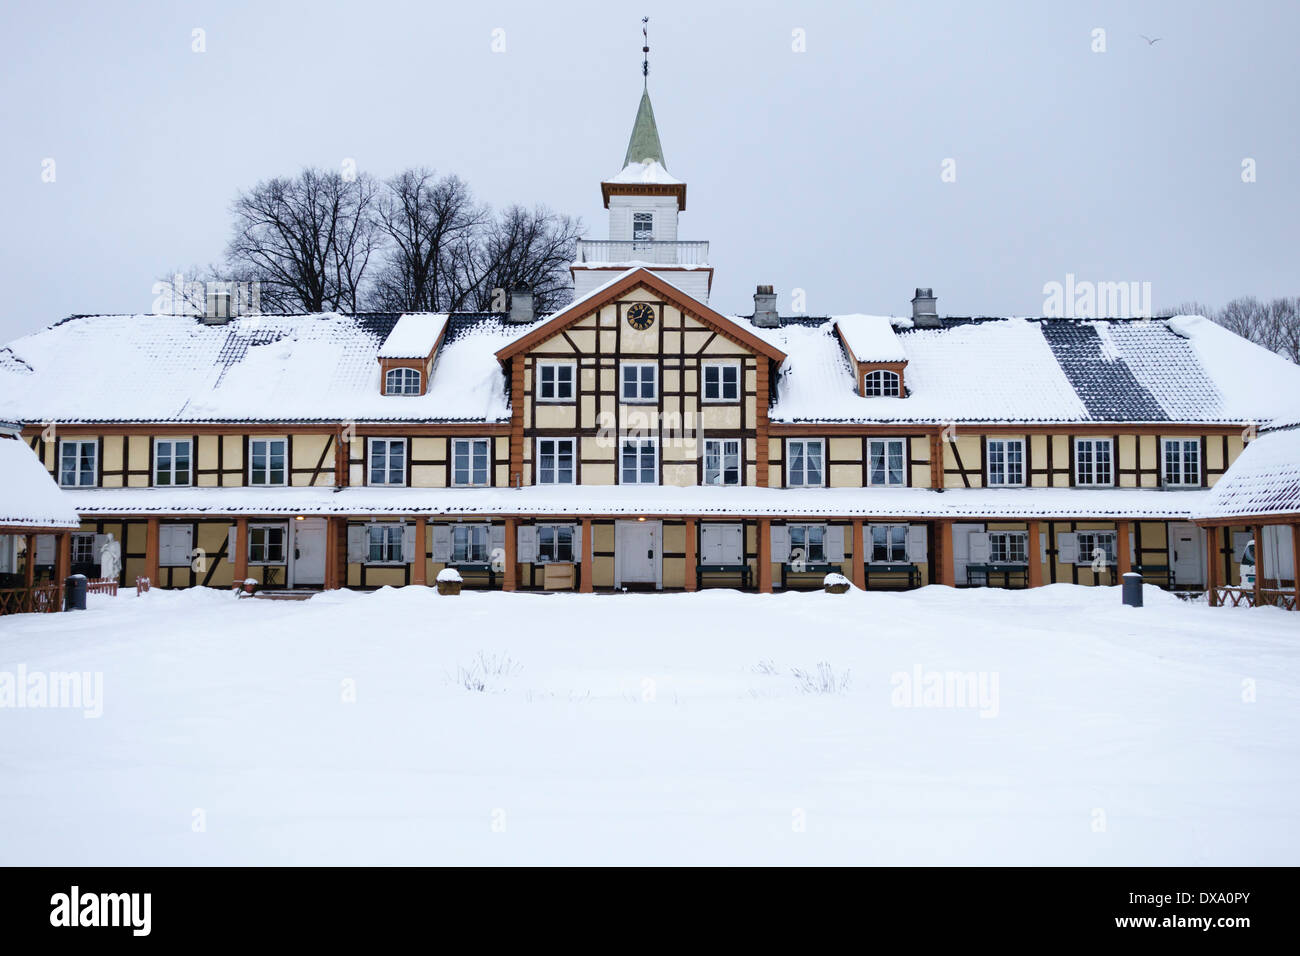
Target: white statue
(110, 558)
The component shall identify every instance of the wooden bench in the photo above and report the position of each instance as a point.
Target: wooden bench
(477, 567)
(891, 570)
(809, 567)
(974, 572)
(743, 570)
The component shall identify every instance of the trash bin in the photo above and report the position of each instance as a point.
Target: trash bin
(74, 593)
(1133, 589)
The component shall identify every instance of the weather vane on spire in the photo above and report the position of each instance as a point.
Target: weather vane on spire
(645, 50)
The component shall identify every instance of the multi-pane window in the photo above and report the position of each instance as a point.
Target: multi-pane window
(880, 382)
(266, 461)
(1095, 545)
(888, 543)
(470, 461)
(556, 459)
(402, 381)
(885, 460)
(722, 461)
(266, 544)
(77, 463)
(1092, 462)
(806, 462)
(1183, 462)
(1006, 461)
(555, 381)
(469, 544)
(643, 226)
(640, 381)
(554, 542)
(638, 461)
(807, 542)
(721, 381)
(385, 542)
(171, 462)
(83, 549)
(1008, 547)
(388, 461)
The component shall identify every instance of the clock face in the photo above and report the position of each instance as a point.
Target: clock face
(640, 316)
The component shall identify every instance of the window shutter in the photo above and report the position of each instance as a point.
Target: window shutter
(834, 546)
(174, 545)
(497, 539)
(979, 547)
(916, 543)
(1132, 547)
(1042, 546)
(45, 549)
(526, 538)
(231, 534)
(410, 553)
(1239, 541)
(96, 547)
(780, 543)
(577, 543)
(358, 544)
(442, 543)
(1067, 547)
(709, 538)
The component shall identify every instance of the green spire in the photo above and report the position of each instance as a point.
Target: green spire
(644, 144)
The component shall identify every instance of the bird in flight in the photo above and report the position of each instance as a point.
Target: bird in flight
(1151, 41)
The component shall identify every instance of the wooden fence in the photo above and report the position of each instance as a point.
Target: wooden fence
(41, 599)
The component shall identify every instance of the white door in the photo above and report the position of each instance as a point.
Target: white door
(639, 554)
(1186, 553)
(307, 569)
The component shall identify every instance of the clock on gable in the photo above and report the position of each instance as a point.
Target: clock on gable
(641, 316)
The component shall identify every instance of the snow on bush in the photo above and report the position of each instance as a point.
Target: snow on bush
(449, 576)
(834, 578)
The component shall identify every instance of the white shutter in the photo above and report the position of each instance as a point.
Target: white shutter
(175, 541)
(731, 544)
(358, 544)
(834, 543)
(442, 543)
(780, 543)
(497, 539)
(978, 542)
(1239, 541)
(526, 544)
(96, 546)
(410, 550)
(577, 543)
(45, 549)
(1067, 547)
(1042, 546)
(231, 534)
(710, 544)
(916, 544)
(1132, 547)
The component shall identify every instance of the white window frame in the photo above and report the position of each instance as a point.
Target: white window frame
(406, 379)
(172, 472)
(799, 479)
(624, 368)
(805, 527)
(1084, 554)
(1007, 537)
(884, 444)
(553, 366)
(1182, 443)
(720, 368)
(642, 214)
(554, 555)
(80, 469)
(390, 532)
(890, 543)
(84, 539)
(1007, 444)
(881, 383)
(252, 456)
(385, 479)
(720, 444)
(472, 443)
(538, 477)
(642, 443)
(253, 529)
(1090, 481)
(472, 532)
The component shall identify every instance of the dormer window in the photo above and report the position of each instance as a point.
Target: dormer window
(880, 382)
(402, 381)
(643, 226)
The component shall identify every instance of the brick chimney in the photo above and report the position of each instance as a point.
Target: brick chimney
(924, 312)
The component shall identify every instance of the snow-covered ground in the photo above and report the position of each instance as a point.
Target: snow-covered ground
(655, 729)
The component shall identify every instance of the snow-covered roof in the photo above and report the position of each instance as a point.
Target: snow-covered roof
(973, 503)
(30, 498)
(319, 367)
(1263, 481)
(871, 338)
(647, 172)
(414, 336)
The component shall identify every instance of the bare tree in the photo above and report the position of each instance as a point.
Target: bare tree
(308, 240)
(1273, 325)
(532, 247)
(424, 219)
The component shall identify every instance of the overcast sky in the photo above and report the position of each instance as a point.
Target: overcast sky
(818, 170)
